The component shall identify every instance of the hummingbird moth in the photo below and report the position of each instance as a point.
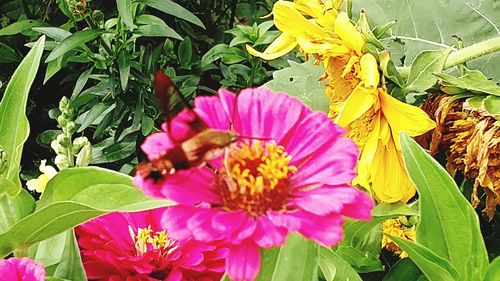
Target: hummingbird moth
(190, 150)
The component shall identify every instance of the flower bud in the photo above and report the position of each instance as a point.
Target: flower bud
(57, 147)
(404, 220)
(78, 143)
(84, 156)
(61, 161)
(62, 121)
(70, 127)
(414, 220)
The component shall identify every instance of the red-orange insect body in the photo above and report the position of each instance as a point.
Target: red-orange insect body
(191, 149)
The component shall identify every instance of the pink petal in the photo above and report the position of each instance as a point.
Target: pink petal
(320, 154)
(267, 234)
(235, 225)
(243, 261)
(264, 114)
(156, 144)
(211, 111)
(361, 208)
(326, 230)
(185, 186)
(331, 164)
(176, 217)
(174, 275)
(181, 126)
(327, 199)
(200, 225)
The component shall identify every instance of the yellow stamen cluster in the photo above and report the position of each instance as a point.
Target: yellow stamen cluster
(255, 167)
(146, 239)
(255, 178)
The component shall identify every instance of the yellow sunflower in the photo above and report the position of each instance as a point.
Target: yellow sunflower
(358, 98)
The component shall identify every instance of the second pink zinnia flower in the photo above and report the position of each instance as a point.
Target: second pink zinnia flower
(290, 171)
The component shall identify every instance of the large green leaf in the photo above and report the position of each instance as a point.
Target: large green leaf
(422, 70)
(404, 269)
(433, 266)
(302, 80)
(334, 268)
(20, 26)
(296, 260)
(61, 256)
(493, 271)
(74, 196)
(172, 8)
(432, 24)
(14, 125)
(73, 41)
(473, 80)
(12, 209)
(125, 11)
(444, 211)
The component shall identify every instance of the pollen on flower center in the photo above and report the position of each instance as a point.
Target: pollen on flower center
(255, 178)
(147, 240)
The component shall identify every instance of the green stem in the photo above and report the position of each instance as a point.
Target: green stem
(472, 52)
(466, 54)
(21, 251)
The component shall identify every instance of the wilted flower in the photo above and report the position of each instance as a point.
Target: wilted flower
(21, 269)
(470, 138)
(290, 171)
(39, 184)
(358, 98)
(135, 246)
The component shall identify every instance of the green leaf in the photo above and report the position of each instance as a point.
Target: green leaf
(492, 106)
(20, 26)
(77, 39)
(393, 210)
(473, 80)
(124, 67)
(8, 187)
(493, 271)
(125, 11)
(422, 70)
(153, 26)
(172, 8)
(13, 122)
(81, 82)
(61, 256)
(111, 151)
(432, 265)
(361, 261)
(12, 209)
(298, 254)
(334, 268)
(185, 53)
(228, 55)
(147, 125)
(433, 24)
(444, 210)
(52, 68)
(98, 110)
(55, 33)
(72, 197)
(404, 269)
(301, 80)
(7, 54)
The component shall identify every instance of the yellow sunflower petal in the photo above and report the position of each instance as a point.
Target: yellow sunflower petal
(369, 71)
(390, 182)
(367, 155)
(348, 33)
(280, 47)
(358, 102)
(403, 117)
(289, 20)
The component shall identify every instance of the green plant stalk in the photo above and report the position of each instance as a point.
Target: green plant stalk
(472, 52)
(466, 54)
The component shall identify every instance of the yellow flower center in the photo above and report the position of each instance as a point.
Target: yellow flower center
(147, 240)
(255, 178)
(395, 228)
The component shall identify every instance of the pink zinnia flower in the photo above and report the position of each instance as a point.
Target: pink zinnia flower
(290, 171)
(136, 247)
(21, 269)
